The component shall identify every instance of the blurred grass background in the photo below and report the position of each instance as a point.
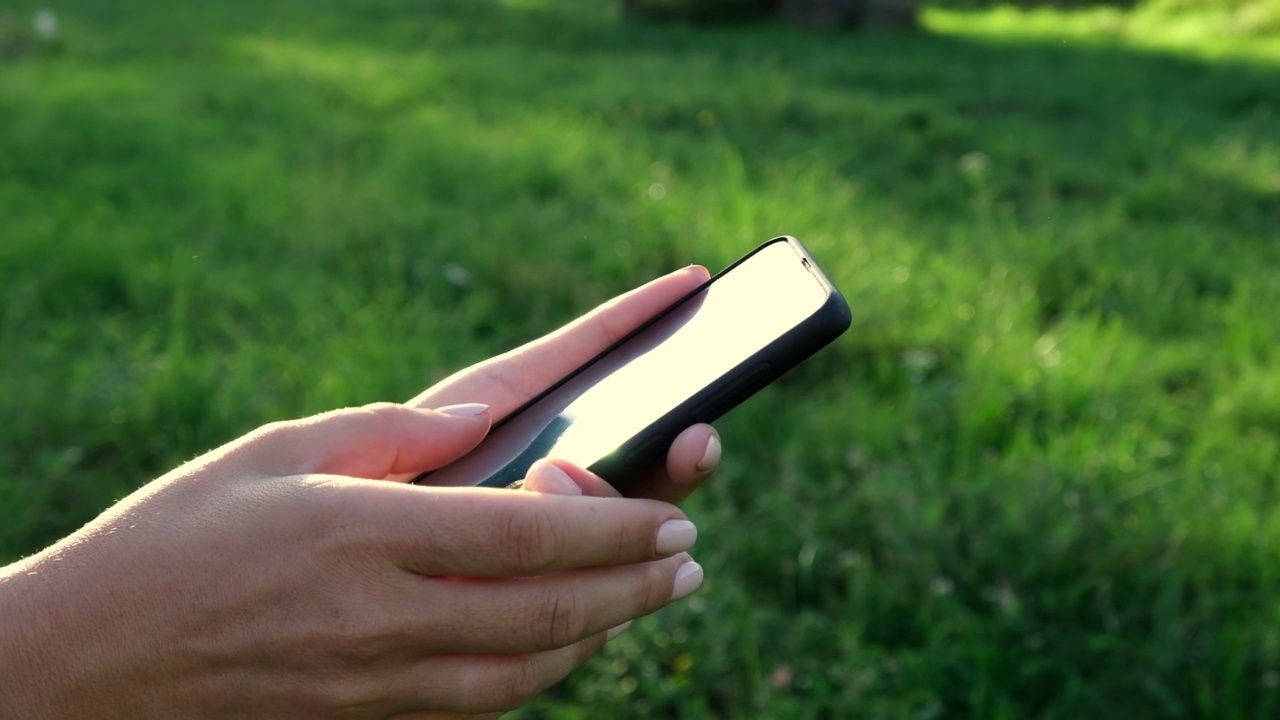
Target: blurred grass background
(1038, 477)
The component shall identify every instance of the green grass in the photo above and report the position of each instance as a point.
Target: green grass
(1038, 477)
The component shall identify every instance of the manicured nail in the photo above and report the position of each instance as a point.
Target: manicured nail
(711, 456)
(464, 410)
(552, 480)
(688, 579)
(615, 632)
(675, 536)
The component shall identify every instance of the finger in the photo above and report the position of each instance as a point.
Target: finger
(365, 442)
(508, 381)
(546, 612)
(485, 532)
(548, 478)
(693, 458)
(432, 715)
(490, 683)
(560, 477)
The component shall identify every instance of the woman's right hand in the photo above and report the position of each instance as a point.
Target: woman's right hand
(277, 577)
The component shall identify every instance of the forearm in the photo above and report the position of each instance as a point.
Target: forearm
(64, 644)
(22, 682)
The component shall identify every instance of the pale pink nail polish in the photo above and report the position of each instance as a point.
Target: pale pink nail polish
(675, 536)
(464, 410)
(688, 578)
(710, 456)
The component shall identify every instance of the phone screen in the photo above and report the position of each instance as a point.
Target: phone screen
(606, 404)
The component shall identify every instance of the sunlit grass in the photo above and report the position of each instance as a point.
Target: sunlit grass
(1238, 29)
(1037, 477)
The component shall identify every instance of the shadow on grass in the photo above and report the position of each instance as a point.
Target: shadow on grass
(931, 130)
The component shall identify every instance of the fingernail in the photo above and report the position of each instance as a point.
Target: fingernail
(615, 632)
(552, 480)
(675, 536)
(464, 410)
(711, 456)
(688, 579)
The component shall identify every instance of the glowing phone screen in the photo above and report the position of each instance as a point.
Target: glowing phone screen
(624, 392)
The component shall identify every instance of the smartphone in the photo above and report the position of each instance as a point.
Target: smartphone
(694, 361)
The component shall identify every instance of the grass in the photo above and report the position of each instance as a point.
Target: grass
(1037, 478)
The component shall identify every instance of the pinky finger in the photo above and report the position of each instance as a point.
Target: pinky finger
(478, 684)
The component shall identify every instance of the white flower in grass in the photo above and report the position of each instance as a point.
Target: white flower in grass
(457, 275)
(46, 24)
(942, 586)
(975, 163)
(920, 360)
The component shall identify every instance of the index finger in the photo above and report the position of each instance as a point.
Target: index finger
(495, 533)
(507, 381)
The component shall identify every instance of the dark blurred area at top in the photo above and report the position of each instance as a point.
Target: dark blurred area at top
(872, 15)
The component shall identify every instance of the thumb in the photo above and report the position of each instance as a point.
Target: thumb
(560, 477)
(369, 442)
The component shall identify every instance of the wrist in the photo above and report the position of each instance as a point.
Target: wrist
(25, 683)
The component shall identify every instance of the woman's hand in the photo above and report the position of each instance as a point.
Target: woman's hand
(510, 380)
(276, 578)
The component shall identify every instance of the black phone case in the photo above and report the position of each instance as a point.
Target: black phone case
(639, 453)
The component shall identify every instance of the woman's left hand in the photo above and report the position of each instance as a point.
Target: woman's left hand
(508, 381)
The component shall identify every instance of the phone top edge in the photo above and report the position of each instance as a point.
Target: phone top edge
(836, 311)
(752, 253)
(780, 357)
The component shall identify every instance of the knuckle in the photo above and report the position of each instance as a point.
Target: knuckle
(350, 638)
(560, 620)
(627, 532)
(269, 435)
(607, 325)
(519, 684)
(384, 416)
(351, 647)
(655, 589)
(382, 407)
(532, 540)
(382, 411)
(341, 696)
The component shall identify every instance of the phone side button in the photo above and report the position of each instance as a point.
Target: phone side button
(648, 447)
(733, 393)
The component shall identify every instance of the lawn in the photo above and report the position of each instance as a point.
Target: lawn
(1040, 475)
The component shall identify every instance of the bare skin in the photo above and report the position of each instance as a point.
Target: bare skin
(282, 576)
